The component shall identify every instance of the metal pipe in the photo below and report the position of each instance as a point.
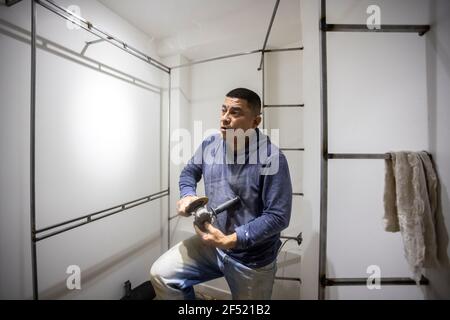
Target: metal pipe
(420, 29)
(263, 97)
(89, 218)
(289, 279)
(110, 37)
(292, 149)
(358, 156)
(235, 55)
(168, 159)
(383, 281)
(90, 27)
(284, 106)
(33, 153)
(284, 49)
(324, 156)
(268, 32)
(216, 58)
(162, 193)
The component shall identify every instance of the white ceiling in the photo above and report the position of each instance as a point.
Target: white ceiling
(206, 28)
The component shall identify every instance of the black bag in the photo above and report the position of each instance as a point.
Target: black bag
(144, 291)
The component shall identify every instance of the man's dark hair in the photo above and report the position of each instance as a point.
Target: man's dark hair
(251, 97)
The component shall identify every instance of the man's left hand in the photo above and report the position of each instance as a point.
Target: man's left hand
(214, 237)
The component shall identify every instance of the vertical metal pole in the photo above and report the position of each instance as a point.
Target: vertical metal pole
(263, 63)
(32, 151)
(324, 155)
(168, 160)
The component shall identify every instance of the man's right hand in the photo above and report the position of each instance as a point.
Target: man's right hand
(183, 203)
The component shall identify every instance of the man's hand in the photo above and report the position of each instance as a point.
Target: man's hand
(183, 203)
(214, 237)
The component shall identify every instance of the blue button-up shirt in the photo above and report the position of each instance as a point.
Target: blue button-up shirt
(259, 175)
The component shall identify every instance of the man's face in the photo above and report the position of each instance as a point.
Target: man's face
(237, 114)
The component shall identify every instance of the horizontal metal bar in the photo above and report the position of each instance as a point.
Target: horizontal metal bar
(164, 193)
(88, 26)
(358, 156)
(110, 37)
(283, 49)
(298, 194)
(298, 238)
(363, 281)
(216, 58)
(284, 106)
(234, 55)
(91, 217)
(292, 149)
(288, 237)
(420, 29)
(289, 279)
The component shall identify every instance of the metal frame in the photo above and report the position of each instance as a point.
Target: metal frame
(90, 27)
(59, 228)
(33, 153)
(330, 282)
(236, 55)
(65, 226)
(420, 29)
(89, 218)
(323, 281)
(261, 68)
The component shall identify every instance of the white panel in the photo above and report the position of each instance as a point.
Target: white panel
(95, 135)
(356, 236)
(377, 93)
(289, 123)
(283, 78)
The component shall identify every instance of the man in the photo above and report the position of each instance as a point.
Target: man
(243, 242)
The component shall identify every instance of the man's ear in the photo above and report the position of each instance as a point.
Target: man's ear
(257, 121)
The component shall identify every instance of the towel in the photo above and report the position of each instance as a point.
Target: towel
(410, 203)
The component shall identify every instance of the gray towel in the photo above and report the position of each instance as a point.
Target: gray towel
(410, 202)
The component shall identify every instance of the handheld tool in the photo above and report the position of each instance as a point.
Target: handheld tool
(201, 214)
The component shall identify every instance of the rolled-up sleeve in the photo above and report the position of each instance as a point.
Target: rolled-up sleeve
(277, 206)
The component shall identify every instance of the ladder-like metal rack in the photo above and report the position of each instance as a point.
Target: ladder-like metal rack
(324, 281)
(265, 106)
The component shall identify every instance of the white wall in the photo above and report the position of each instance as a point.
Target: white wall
(97, 134)
(311, 172)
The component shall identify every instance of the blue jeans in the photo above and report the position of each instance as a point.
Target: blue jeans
(191, 262)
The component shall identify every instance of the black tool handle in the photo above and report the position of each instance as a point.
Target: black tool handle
(226, 205)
